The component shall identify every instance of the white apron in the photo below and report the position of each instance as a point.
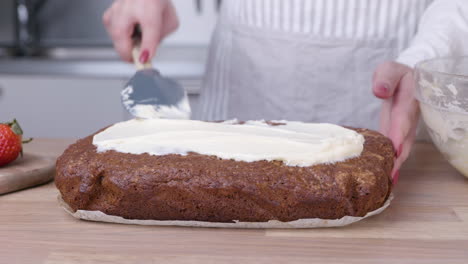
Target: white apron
(306, 60)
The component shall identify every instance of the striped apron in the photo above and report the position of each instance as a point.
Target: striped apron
(306, 60)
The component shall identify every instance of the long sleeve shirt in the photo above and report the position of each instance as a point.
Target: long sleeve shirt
(442, 31)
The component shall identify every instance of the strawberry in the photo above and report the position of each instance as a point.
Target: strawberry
(10, 142)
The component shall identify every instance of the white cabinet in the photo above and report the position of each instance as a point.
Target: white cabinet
(65, 107)
(59, 107)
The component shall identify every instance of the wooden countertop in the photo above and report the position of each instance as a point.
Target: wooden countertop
(426, 223)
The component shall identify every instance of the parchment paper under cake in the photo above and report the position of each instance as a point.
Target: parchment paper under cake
(301, 223)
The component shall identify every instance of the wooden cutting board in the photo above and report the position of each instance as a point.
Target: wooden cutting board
(30, 170)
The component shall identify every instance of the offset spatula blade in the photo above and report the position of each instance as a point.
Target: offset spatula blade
(150, 95)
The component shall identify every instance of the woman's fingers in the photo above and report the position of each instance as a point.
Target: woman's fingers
(407, 146)
(387, 77)
(156, 28)
(385, 116)
(120, 30)
(151, 23)
(406, 149)
(385, 82)
(157, 18)
(106, 17)
(121, 35)
(404, 113)
(171, 21)
(399, 116)
(404, 119)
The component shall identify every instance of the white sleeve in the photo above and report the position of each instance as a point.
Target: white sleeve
(442, 31)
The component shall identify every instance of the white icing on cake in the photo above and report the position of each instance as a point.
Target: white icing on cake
(295, 143)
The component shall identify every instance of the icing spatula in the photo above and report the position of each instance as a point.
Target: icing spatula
(150, 95)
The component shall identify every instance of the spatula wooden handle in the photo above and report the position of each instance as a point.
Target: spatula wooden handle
(136, 59)
(136, 51)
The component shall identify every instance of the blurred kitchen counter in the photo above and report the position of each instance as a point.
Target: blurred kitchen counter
(179, 62)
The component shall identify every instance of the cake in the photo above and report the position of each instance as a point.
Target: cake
(202, 171)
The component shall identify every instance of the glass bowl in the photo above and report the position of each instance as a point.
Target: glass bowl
(442, 92)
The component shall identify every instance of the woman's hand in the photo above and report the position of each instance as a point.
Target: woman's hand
(394, 83)
(157, 19)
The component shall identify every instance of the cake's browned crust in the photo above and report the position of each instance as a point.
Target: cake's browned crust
(207, 188)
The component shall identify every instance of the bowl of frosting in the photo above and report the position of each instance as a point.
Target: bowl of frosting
(442, 92)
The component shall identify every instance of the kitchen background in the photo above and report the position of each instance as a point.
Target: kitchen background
(59, 75)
